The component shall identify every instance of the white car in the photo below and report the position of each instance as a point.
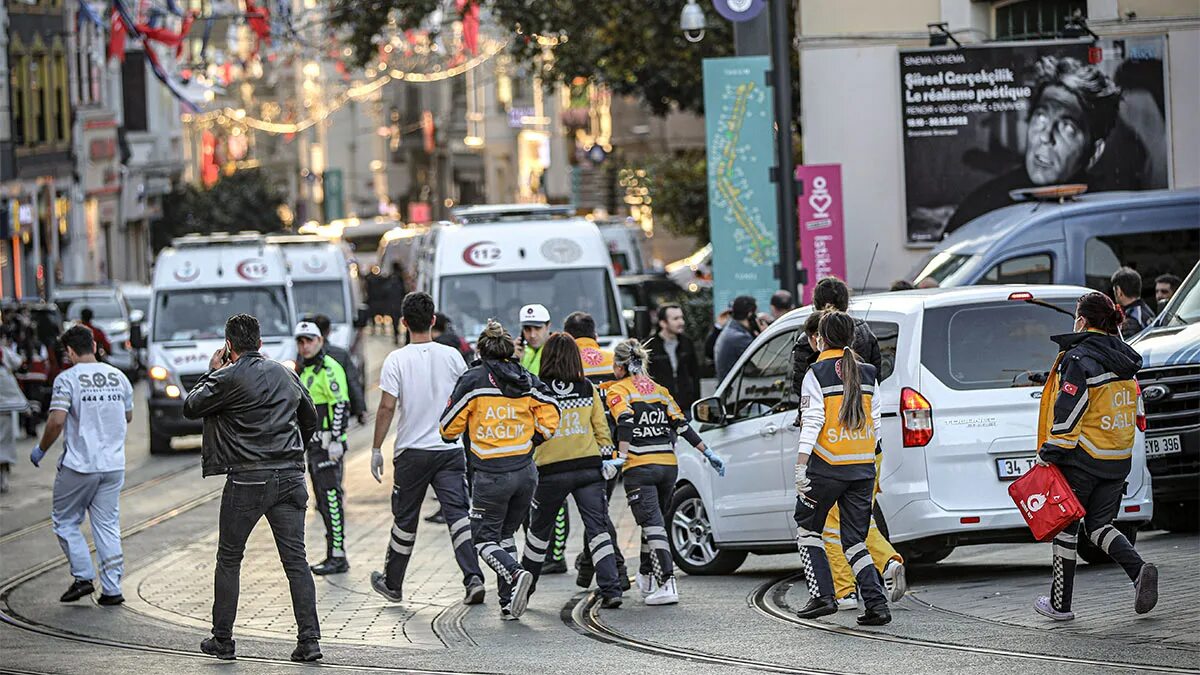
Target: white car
(960, 390)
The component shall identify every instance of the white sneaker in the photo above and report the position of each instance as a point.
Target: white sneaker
(894, 580)
(522, 582)
(646, 584)
(847, 603)
(666, 595)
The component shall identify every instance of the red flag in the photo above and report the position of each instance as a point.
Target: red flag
(469, 9)
(116, 40)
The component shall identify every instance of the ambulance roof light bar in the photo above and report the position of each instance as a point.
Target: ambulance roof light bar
(197, 240)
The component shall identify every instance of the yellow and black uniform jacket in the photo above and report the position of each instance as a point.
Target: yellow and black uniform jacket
(835, 451)
(648, 419)
(597, 362)
(1090, 405)
(582, 437)
(505, 411)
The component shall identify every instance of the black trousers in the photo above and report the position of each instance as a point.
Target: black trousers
(587, 486)
(854, 502)
(414, 472)
(648, 490)
(281, 496)
(499, 505)
(1101, 498)
(584, 561)
(331, 499)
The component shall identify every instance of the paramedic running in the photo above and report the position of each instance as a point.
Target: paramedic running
(889, 563)
(325, 382)
(648, 422)
(1086, 427)
(416, 380)
(94, 403)
(570, 464)
(506, 413)
(839, 434)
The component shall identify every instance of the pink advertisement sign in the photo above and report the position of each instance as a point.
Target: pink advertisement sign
(819, 210)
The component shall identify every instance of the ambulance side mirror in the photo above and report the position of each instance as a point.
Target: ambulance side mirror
(136, 337)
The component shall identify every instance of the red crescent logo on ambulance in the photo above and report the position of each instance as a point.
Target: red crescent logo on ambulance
(314, 265)
(481, 254)
(253, 269)
(189, 272)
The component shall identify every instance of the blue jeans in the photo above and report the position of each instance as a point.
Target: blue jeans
(281, 496)
(96, 494)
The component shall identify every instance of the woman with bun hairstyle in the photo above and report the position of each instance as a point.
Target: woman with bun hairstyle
(648, 421)
(1090, 409)
(570, 465)
(506, 413)
(835, 464)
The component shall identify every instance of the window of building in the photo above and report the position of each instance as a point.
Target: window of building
(37, 98)
(133, 78)
(1035, 19)
(20, 93)
(62, 100)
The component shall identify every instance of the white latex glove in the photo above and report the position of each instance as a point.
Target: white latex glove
(803, 484)
(336, 450)
(377, 464)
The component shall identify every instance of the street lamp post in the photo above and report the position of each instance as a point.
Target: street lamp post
(785, 170)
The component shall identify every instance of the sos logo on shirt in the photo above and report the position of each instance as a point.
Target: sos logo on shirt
(97, 380)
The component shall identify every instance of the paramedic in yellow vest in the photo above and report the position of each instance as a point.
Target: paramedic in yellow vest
(506, 412)
(889, 562)
(1090, 409)
(835, 464)
(648, 422)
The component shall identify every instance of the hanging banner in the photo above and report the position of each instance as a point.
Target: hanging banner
(742, 213)
(822, 233)
(982, 121)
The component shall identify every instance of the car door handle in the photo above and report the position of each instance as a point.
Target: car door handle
(768, 430)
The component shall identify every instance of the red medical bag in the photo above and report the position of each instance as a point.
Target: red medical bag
(1046, 501)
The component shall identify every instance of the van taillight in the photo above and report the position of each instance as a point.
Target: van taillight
(916, 418)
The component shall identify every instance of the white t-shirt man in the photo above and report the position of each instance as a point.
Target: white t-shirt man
(422, 378)
(95, 397)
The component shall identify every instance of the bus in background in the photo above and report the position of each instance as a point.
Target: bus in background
(496, 259)
(199, 282)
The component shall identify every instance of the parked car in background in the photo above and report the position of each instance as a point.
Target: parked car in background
(1081, 240)
(624, 238)
(693, 272)
(111, 314)
(1170, 381)
(961, 382)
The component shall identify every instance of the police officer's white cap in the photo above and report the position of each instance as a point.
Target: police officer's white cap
(307, 329)
(534, 315)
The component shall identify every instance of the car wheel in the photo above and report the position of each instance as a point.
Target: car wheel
(160, 444)
(691, 537)
(1093, 555)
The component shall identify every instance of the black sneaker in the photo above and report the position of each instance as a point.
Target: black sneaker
(475, 592)
(221, 648)
(584, 575)
(610, 603)
(379, 583)
(307, 651)
(1146, 589)
(79, 589)
(875, 617)
(436, 517)
(331, 566)
(553, 566)
(623, 577)
(818, 607)
(111, 600)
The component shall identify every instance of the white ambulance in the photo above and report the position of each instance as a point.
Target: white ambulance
(199, 282)
(323, 282)
(489, 265)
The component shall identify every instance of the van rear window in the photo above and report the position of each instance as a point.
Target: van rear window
(993, 345)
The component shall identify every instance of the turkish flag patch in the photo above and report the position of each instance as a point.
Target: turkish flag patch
(613, 401)
(1070, 388)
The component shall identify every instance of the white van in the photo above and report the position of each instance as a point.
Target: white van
(959, 393)
(199, 282)
(489, 269)
(323, 282)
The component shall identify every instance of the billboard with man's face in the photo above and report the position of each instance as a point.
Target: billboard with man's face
(980, 122)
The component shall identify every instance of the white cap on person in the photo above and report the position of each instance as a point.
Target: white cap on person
(534, 315)
(307, 329)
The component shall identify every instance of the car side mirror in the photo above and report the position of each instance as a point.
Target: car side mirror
(136, 337)
(361, 318)
(709, 411)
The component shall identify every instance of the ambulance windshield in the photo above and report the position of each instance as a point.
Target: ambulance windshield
(200, 314)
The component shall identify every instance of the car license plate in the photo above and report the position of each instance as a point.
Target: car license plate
(1012, 468)
(1163, 445)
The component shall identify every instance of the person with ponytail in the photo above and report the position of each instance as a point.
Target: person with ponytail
(835, 464)
(1087, 426)
(648, 421)
(506, 412)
